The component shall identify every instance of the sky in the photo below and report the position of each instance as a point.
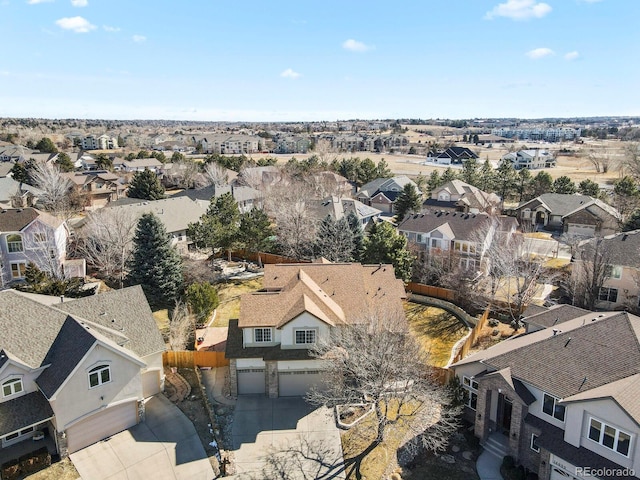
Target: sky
(304, 60)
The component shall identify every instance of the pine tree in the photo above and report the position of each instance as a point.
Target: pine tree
(448, 175)
(524, 179)
(564, 185)
(334, 240)
(357, 233)
(45, 145)
(506, 180)
(385, 245)
(202, 299)
(219, 227)
(154, 263)
(589, 187)
(146, 186)
(541, 183)
(256, 231)
(434, 181)
(408, 201)
(470, 172)
(487, 177)
(64, 163)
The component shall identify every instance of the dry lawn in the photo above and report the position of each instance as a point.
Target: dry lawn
(229, 295)
(436, 330)
(62, 470)
(162, 319)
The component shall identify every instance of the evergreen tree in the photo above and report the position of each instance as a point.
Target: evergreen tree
(470, 172)
(476, 140)
(434, 181)
(626, 196)
(64, 163)
(366, 171)
(506, 181)
(20, 173)
(524, 179)
(408, 201)
(487, 177)
(256, 232)
(383, 169)
(465, 139)
(103, 162)
(541, 183)
(448, 175)
(385, 245)
(334, 240)
(154, 263)
(357, 235)
(202, 299)
(632, 223)
(219, 227)
(45, 145)
(146, 186)
(564, 185)
(589, 187)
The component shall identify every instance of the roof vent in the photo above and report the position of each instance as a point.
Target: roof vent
(556, 320)
(567, 343)
(556, 331)
(624, 237)
(601, 315)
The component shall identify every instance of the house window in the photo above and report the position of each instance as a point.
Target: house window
(609, 437)
(436, 243)
(551, 407)
(261, 335)
(99, 375)
(18, 269)
(14, 243)
(11, 387)
(419, 238)
(472, 391)
(607, 294)
(464, 247)
(467, 263)
(306, 336)
(614, 271)
(39, 237)
(534, 443)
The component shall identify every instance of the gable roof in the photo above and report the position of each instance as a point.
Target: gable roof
(15, 219)
(462, 225)
(561, 203)
(338, 207)
(24, 411)
(622, 248)
(555, 315)
(9, 187)
(335, 293)
(458, 153)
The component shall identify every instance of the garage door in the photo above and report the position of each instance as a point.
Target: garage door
(295, 383)
(150, 383)
(102, 425)
(251, 381)
(557, 474)
(577, 229)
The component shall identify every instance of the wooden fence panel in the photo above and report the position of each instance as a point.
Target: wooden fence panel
(192, 359)
(431, 291)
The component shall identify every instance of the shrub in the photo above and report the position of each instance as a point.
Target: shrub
(493, 322)
(508, 462)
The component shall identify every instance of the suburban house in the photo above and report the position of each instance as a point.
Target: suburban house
(247, 198)
(621, 254)
(571, 214)
(543, 317)
(562, 400)
(15, 153)
(29, 235)
(175, 213)
(458, 196)
(382, 193)
(530, 159)
(339, 207)
(99, 187)
(299, 303)
(76, 372)
(455, 155)
(139, 165)
(16, 194)
(462, 236)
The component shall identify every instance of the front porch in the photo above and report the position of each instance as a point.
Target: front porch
(29, 445)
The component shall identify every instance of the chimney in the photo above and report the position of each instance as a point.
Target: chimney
(61, 298)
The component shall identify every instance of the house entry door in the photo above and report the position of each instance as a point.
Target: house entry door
(505, 407)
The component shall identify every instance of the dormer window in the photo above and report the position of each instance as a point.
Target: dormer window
(99, 375)
(11, 387)
(305, 336)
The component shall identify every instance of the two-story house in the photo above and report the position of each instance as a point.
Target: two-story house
(29, 235)
(74, 373)
(455, 155)
(530, 159)
(382, 193)
(620, 255)
(576, 215)
(563, 400)
(97, 187)
(268, 345)
(459, 196)
(464, 237)
(339, 207)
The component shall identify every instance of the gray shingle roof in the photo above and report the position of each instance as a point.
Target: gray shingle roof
(24, 411)
(561, 203)
(556, 315)
(132, 315)
(622, 248)
(235, 348)
(462, 224)
(15, 219)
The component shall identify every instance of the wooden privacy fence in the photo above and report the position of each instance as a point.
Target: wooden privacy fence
(264, 257)
(192, 359)
(442, 375)
(430, 291)
(473, 336)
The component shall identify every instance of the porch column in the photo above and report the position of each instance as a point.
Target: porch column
(518, 412)
(483, 413)
(61, 442)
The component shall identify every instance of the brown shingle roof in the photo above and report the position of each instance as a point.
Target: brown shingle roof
(336, 293)
(15, 219)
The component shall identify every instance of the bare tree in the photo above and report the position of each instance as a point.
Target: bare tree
(379, 363)
(590, 271)
(181, 327)
(325, 151)
(216, 174)
(602, 161)
(632, 159)
(106, 241)
(184, 174)
(58, 197)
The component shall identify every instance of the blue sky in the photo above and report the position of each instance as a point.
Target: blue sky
(301, 60)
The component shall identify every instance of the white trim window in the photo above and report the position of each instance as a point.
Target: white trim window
(464, 247)
(305, 336)
(551, 407)
(467, 263)
(614, 271)
(262, 335)
(18, 269)
(471, 386)
(611, 437)
(534, 443)
(14, 243)
(607, 294)
(99, 375)
(12, 387)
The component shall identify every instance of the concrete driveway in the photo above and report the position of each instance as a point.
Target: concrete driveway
(285, 435)
(165, 446)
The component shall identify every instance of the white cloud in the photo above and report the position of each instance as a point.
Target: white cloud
(289, 73)
(139, 38)
(537, 53)
(75, 24)
(35, 2)
(519, 10)
(356, 46)
(79, 3)
(572, 55)
(110, 29)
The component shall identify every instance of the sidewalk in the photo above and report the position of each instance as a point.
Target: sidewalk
(488, 466)
(214, 382)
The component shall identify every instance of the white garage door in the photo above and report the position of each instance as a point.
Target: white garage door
(295, 383)
(251, 381)
(557, 474)
(150, 383)
(102, 425)
(577, 229)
